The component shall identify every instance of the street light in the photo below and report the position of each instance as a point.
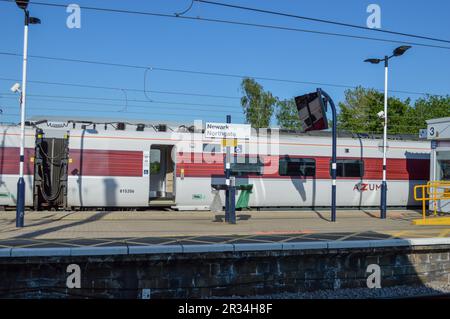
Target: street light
(397, 52)
(20, 205)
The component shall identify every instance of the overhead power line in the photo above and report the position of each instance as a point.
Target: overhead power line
(163, 112)
(289, 15)
(155, 68)
(63, 98)
(235, 22)
(227, 108)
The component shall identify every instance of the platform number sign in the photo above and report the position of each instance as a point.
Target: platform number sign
(431, 131)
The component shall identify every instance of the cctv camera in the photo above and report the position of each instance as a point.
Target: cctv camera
(15, 88)
(381, 114)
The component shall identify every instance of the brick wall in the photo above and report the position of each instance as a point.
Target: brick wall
(221, 274)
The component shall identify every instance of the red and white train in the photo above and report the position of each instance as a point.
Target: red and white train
(75, 164)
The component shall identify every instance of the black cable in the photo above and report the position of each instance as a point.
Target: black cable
(163, 15)
(186, 10)
(140, 106)
(239, 76)
(289, 15)
(165, 113)
(86, 97)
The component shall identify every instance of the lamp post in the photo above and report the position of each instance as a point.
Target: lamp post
(20, 205)
(397, 52)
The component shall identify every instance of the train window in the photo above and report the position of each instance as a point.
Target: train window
(297, 167)
(212, 148)
(155, 161)
(245, 165)
(349, 168)
(443, 166)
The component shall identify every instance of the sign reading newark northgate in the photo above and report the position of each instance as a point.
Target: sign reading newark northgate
(227, 130)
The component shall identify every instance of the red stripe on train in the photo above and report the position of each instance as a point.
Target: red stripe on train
(397, 169)
(9, 161)
(129, 163)
(105, 163)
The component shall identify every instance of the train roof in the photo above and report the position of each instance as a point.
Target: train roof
(85, 122)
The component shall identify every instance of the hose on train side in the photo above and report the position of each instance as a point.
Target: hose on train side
(57, 156)
(49, 197)
(47, 179)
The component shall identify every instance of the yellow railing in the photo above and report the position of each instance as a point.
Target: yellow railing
(433, 191)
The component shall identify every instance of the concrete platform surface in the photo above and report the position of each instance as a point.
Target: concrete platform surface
(61, 229)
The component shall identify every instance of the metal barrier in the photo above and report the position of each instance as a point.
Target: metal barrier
(432, 191)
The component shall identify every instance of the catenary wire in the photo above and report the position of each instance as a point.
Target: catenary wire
(234, 22)
(289, 15)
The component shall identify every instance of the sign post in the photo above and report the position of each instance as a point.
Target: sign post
(229, 133)
(228, 211)
(312, 113)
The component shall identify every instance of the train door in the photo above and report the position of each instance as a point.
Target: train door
(443, 174)
(50, 170)
(162, 175)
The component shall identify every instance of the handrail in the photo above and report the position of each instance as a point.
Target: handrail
(432, 191)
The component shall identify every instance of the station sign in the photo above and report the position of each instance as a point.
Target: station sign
(226, 142)
(312, 112)
(438, 129)
(227, 130)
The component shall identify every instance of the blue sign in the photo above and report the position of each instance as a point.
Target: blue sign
(434, 145)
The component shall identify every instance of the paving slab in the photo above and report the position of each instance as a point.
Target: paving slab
(192, 230)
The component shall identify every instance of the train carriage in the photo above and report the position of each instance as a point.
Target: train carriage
(132, 165)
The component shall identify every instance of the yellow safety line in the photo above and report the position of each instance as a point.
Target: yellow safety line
(441, 221)
(444, 233)
(398, 234)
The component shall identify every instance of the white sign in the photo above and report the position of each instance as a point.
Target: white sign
(57, 124)
(225, 130)
(423, 133)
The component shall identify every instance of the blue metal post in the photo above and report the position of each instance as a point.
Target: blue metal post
(227, 178)
(20, 205)
(333, 156)
(232, 215)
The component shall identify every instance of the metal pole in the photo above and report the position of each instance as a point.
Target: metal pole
(232, 206)
(333, 164)
(384, 184)
(227, 178)
(333, 154)
(20, 205)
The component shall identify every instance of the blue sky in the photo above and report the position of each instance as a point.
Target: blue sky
(210, 47)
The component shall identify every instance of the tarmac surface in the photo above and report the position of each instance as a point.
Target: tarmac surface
(47, 229)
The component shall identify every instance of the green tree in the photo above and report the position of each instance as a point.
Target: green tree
(258, 105)
(358, 112)
(429, 107)
(287, 115)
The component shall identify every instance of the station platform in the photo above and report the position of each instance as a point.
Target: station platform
(50, 229)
